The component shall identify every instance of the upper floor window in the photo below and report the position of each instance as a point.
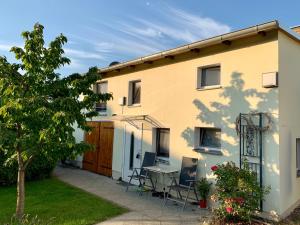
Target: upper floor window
(208, 76)
(134, 92)
(207, 138)
(101, 88)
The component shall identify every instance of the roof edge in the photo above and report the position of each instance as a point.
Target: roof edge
(198, 44)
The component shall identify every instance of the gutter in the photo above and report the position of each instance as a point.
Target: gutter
(197, 45)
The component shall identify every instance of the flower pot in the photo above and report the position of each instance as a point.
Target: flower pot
(203, 204)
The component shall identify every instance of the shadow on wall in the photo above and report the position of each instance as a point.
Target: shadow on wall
(236, 99)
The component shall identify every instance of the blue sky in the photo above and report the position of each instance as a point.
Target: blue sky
(102, 31)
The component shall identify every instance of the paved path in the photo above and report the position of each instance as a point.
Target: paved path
(143, 209)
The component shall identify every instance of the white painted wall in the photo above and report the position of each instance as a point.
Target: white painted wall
(289, 120)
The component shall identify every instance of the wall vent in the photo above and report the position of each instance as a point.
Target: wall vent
(270, 80)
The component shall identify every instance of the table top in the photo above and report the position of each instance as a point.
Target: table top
(158, 169)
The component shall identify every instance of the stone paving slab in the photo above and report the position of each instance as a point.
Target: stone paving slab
(144, 210)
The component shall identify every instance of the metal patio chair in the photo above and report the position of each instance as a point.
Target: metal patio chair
(141, 174)
(187, 182)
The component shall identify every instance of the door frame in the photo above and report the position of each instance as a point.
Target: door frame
(138, 151)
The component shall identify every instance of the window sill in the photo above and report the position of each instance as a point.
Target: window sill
(163, 160)
(208, 87)
(134, 105)
(212, 151)
(102, 113)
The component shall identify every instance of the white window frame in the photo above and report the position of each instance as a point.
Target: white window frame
(96, 91)
(200, 69)
(130, 87)
(161, 159)
(197, 131)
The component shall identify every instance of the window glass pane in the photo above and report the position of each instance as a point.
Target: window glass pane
(136, 92)
(131, 151)
(101, 88)
(210, 76)
(298, 156)
(210, 137)
(163, 139)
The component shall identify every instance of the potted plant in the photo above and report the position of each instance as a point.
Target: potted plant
(203, 187)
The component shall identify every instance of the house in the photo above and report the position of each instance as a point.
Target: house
(227, 98)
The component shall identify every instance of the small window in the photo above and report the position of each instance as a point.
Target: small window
(298, 156)
(162, 142)
(208, 76)
(208, 138)
(131, 159)
(134, 92)
(101, 88)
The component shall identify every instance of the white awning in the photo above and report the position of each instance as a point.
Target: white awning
(141, 122)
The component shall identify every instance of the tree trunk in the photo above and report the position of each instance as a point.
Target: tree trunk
(20, 193)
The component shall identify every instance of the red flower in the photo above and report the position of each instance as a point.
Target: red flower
(214, 168)
(239, 200)
(229, 209)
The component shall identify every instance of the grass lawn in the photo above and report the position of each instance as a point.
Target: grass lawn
(52, 198)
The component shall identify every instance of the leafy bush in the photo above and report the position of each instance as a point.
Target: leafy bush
(203, 187)
(28, 220)
(40, 168)
(237, 192)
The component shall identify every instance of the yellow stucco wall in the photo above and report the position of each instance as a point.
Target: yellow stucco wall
(169, 95)
(289, 110)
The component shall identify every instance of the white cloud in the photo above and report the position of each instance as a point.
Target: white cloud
(136, 36)
(170, 31)
(104, 47)
(75, 64)
(120, 45)
(182, 26)
(146, 32)
(203, 26)
(82, 54)
(5, 47)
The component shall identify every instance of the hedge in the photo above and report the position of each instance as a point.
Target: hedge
(40, 168)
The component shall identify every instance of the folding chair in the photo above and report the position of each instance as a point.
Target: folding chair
(187, 181)
(141, 174)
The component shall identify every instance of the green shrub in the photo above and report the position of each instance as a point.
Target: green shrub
(40, 168)
(237, 192)
(203, 187)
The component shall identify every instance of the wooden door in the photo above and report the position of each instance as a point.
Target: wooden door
(105, 149)
(100, 160)
(90, 157)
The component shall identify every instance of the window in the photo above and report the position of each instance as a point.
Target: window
(162, 142)
(208, 76)
(100, 88)
(207, 138)
(298, 156)
(134, 92)
(131, 151)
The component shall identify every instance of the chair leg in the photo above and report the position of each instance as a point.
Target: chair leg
(129, 183)
(185, 201)
(167, 197)
(134, 171)
(141, 185)
(196, 194)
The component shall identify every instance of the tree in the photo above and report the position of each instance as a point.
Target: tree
(40, 109)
